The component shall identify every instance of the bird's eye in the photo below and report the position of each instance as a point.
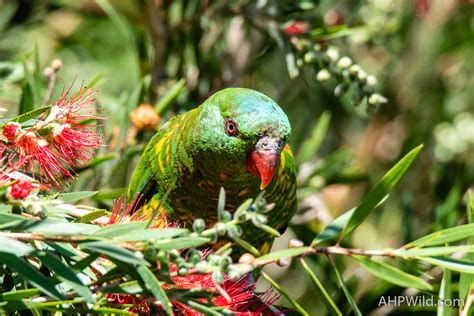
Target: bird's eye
(230, 127)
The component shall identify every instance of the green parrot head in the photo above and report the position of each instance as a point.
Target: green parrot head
(240, 132)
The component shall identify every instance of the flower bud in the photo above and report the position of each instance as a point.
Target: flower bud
(284, 262)
(57, 64)
(144, 117)
(218, 277)
(48, 71)
(295, 243)
(11, 131)
(376, 99)
(247, 258)
(354, 70)
(332, 54)
(201, 267)
(20, 189)
(234, 231)
(371, 81)
(183, 271)
(323, 75)
(344, 62)
(173, 255)
(225, 262)
(341, 89)
(221, 229)
(225, 216)
(234, 275)
(199, 225)
(309, 57)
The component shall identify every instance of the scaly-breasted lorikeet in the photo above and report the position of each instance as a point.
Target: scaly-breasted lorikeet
(236, 140)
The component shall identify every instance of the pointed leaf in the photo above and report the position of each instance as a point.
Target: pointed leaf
(113, 252)
(15, 247)
(451, 264)
(386, 184)
(333, 229)
(444, 236)
(31, 275)
(151, 234)
(445, 294)
(327, 300)
(393, 275)
(76, 196)
(67, 275)
(435, 251)
(348, 295)
(180, 243)
(152, 284)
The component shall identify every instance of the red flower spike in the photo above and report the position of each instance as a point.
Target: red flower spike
(296, 28)
(75, 145)
(11, 130)
(33, 148)
(20, 189)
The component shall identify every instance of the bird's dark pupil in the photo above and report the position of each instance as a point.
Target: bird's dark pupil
(231, 127)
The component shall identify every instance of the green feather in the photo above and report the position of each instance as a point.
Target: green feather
(192, 156)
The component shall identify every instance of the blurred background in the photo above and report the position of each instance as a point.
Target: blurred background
(171, 55)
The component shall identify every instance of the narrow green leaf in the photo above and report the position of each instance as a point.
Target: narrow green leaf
(84, 263)
(9, 221)
(15, 247)
(27, 101)
(285, 253)
(152, 285)
(181, 243)
(113, 252)
(393, 275)
(221, 203)
(31, 114)
(119, 229)
(37, 75)
(201, 308)
(53, 227)
(445, 294)
(466, 280)
(247, 246)
(444, 236)
(275, 285)
(386, 184)
(89, 217)
(348, 295)
(166, 100)
(152, 234)
(31, 275)
(435, 251)
(18, 294)
(450, 263)
(311, 145)
(333, 229)
(66, 274)
(327, 300)
(76, 196)
(272, 231)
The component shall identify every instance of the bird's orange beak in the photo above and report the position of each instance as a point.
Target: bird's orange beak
(263, 160)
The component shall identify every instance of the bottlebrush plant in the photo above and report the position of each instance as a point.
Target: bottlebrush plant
(59, 257)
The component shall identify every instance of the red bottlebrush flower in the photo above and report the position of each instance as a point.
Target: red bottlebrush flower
(20, 189)
(76, 109)
(65, 141)
(296, 28)
(77, 145)
(11, 130)
(244, 300)
(34, 148)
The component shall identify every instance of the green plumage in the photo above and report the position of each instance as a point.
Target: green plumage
(193, 155)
